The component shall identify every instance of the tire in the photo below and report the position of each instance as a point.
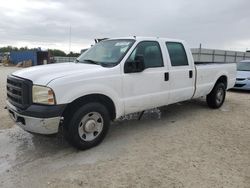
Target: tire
(216, 97)
(88, 126)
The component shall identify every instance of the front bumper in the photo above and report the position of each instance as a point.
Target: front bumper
(48, 124)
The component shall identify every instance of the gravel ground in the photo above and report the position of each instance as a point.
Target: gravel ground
(181, 145)
(5, 120)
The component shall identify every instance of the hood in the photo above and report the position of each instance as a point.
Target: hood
(43, 74)
(243, 74)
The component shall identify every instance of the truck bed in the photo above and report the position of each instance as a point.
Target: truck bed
(205, 81)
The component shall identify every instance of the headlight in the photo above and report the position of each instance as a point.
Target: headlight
(43, 95)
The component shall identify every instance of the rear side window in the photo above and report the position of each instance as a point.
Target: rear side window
(151, 52)
(177, 54)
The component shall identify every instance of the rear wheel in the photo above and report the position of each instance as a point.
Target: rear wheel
(88, 126)
(216, 97)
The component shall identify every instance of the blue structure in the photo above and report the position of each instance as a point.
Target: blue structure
(36, 56)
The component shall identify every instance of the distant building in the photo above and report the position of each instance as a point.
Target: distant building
(37, 56)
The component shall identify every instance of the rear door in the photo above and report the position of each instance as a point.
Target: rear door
(181, 73)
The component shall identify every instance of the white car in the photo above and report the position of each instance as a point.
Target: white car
(113, 78)
(243, 75)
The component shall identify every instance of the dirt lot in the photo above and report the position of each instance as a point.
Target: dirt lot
(182, 145)
(5, 121)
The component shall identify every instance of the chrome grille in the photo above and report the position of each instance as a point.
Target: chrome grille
(19, 91)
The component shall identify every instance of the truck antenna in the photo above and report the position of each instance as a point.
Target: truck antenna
(69, 38)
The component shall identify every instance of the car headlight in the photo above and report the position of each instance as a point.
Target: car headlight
(43, 95)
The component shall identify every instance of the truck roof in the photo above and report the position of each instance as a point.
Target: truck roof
(141, 38)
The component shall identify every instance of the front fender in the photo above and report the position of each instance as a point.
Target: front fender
(68, 92)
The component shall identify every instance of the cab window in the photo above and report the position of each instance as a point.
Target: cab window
(177, 54)
(151, 52)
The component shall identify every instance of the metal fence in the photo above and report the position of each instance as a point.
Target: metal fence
(59, 59)
(199, 54)
(218, 56)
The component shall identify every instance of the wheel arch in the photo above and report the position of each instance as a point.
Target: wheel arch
(222, 79)
(100, 98)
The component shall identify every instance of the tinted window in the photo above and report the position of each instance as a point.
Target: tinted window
(243, 66)
(177, 54)
(151, 52)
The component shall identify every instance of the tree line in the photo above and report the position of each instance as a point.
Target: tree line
(52, 52)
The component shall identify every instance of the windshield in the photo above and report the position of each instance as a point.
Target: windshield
(243, 66)
(106, 53)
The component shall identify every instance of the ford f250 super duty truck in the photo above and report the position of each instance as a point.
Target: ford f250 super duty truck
(113, 78)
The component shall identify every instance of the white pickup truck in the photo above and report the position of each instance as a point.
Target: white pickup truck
(113, 78)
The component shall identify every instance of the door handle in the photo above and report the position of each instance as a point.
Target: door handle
(190, 74)
(166, 76)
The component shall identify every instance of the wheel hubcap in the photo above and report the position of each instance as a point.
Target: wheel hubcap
(90, 126)
(219, 96)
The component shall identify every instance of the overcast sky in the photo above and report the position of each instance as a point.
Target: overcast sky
(220, 24)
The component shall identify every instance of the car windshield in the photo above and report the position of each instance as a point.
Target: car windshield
(107, 53)
(243, 66)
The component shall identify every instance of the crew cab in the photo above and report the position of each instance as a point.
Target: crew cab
(113, 78)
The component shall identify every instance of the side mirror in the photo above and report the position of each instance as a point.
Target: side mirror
(135, 66)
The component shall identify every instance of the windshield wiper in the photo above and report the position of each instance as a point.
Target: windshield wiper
(90, 61)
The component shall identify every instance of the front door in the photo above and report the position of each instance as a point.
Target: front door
(149, 88)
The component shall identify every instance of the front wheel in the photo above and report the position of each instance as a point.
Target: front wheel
(88, 126)
(216, 97)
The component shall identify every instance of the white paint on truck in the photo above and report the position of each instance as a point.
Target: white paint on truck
(134, 91)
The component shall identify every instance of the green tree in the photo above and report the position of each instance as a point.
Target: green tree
(24, 48)
(72, 54)
(8, 49)
(55, 52)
